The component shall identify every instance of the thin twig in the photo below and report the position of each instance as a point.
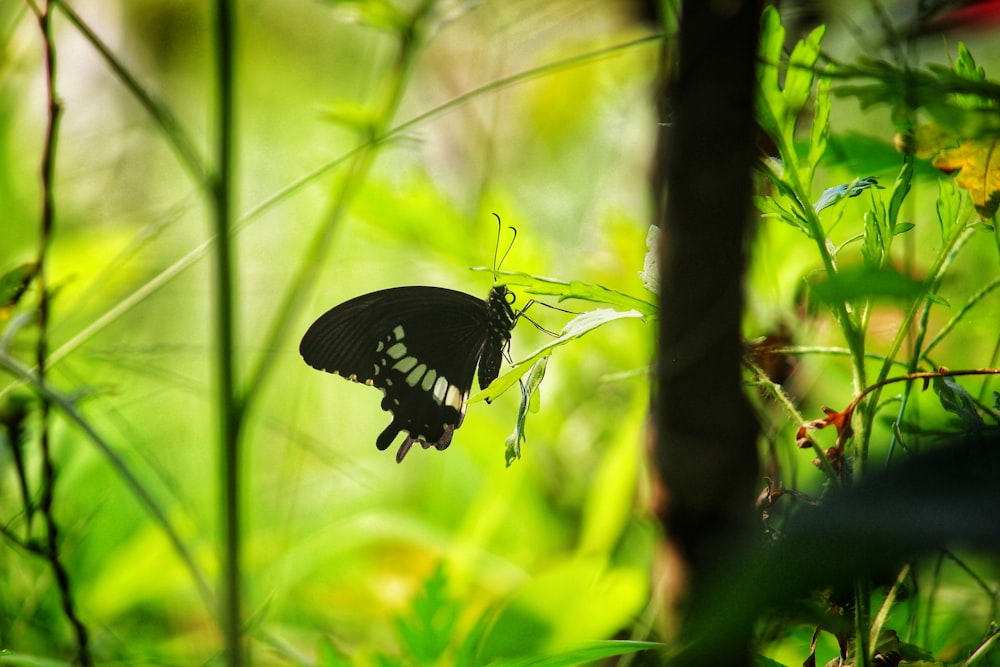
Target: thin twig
(50, 546)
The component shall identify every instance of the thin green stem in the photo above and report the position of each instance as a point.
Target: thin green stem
(941, 264)
(46, 500)
(228, 403)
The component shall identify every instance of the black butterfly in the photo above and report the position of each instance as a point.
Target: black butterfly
(420, 346)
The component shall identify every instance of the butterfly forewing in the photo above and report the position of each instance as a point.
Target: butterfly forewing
(420, 346)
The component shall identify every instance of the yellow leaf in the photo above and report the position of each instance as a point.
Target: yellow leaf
(979, 162)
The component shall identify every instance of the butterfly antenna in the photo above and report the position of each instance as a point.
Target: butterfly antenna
(496, 248)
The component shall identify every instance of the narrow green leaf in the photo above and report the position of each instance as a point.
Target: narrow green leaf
(902, 228)
(900, 188)
(540, 286)
(865, 282)
(819, 134)
(948, 206)
(769, 206)
(771, 105)
(873, 248)
(801, 74)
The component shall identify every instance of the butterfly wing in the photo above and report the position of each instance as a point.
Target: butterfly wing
(419, 345)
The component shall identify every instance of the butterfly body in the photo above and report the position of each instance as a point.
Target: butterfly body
(421, 346)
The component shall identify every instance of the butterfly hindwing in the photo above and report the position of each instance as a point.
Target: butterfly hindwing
(420, 346)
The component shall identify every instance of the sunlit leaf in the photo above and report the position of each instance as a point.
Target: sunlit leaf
(578, 326)
(819, 134)
(530, 401)
(801, 74)
(978, 166)
(540, 286)
(772, 107)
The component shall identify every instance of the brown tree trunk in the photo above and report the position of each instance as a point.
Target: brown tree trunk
(705, 449)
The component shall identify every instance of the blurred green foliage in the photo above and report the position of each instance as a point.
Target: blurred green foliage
(451, 558)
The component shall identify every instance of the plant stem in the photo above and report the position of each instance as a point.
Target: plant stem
(229, 407)
(941, 264)
(50, 546)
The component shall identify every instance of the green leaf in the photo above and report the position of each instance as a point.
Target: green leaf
(426, 631)
(589, 652)
(801, 73)
(900, 188)
(948, 206)
(873, 250)
(902, 228)
(540, 286)
(866, 282)
(578, 326)
(530, 401)
(15, 282)
(955, 399)
(820, 132)
(834, 194)
(771, 106)
(769, 206)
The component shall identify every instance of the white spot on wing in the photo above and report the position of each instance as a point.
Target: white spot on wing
(414, 377)
(404, 365)
(454, 398)
(396, 351)
(428, 380)
(440, 387)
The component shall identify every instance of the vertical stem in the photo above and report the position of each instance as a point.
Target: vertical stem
(50, 548)
(230, 411)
